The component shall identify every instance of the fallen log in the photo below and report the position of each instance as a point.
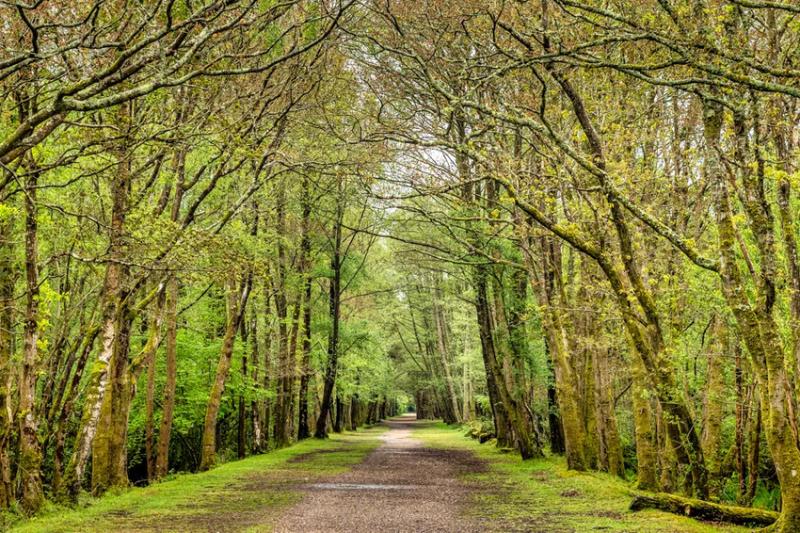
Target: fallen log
(703, 510)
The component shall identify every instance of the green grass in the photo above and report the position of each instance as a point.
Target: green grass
(241, 495)
(249, 495)
(542, 495)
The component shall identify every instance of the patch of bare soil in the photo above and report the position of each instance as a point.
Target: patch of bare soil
(400, 487)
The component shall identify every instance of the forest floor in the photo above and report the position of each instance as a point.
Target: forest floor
(246, 495)
(404, 476)
(541, 495)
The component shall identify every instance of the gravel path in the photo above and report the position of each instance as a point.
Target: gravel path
(401, 486)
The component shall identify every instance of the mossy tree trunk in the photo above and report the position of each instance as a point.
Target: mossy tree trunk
(713, 402)
(30, 451)
(8, 275)
(170, 378)
(517, 418)
(149, 360)
(241, 414)
(95, 429)
(516, 317)
(559, 347)
(610, 455)
(109, 444)
(288, 315)
(96, 389)
(172, 286)
(754, 459)
(556, 429)
(236, 303)
(443, 349)
(741, 417)
(755, 320)
(643, 423)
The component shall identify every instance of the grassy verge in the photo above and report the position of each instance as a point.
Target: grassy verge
(244, 495)
(542, 495)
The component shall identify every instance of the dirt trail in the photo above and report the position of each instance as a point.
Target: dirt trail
(400, 487)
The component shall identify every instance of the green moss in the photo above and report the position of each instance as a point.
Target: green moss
(542, 495)
(243, 495)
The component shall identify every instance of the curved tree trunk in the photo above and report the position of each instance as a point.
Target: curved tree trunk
(236, 303)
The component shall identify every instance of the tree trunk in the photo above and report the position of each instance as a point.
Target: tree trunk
(303, 431)
(69, 395)
(291, 376)
(555, 427)
(287, 332)
(755, 449)
(353, 413)
(338, 425)
(558, 343)
(607, 433)
(7, 283)
(334, 301)
(741, 416)
(513, 410)
(151, 348)
(109, 449)
(171, 349)
(281, 403)
(236, 304)
(444, 356)
(170, 378)
(241, 419)
(255, 405)
(756, 324)
(267, 381)
(30, 452)
(703, 510)
(643, 421)
(516, 318)
(712, 406)
(149, 424)
(98, 383)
